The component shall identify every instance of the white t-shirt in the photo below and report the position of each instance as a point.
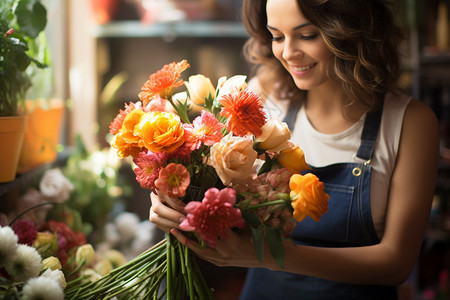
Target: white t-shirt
(324, 149)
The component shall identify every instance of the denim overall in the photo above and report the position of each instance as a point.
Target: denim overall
(348, 223)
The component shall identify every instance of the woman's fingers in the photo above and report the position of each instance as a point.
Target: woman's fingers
(163, 216)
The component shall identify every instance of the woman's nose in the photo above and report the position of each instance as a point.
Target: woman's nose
(291, 50)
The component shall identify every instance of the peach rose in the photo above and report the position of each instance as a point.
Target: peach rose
(199, 87)
(233, 158)
(309, 197)
(160, 132)
(293, 159)
(275, 136)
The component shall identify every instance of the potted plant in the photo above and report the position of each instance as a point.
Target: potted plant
(21, 21)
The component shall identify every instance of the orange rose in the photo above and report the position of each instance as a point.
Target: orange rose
(293, 159)
(130, 121)
(309, 197)
(123, 148)
(275, 136)
(160, 132)
(233, 158)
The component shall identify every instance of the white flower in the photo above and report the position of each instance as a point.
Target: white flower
(127, 223)
(43, 288)
(8, 245)
(55, 185)
(112, 237)
(56, 275)
(25, 265)
(236, 83)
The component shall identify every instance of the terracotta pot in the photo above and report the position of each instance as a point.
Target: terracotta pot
(41, 137)
(12, 131)
(104, 10)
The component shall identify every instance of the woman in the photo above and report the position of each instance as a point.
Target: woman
(332, 65)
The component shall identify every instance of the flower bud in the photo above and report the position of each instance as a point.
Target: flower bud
(293, 159)
(199, 87)
(85, 254)
(103, 267)
(115, 257)
(56, 275)
(275, 136)
(51, 263)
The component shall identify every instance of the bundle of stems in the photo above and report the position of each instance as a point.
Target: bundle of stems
(168, 270)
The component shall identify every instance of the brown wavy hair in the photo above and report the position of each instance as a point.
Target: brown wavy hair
(362, 36)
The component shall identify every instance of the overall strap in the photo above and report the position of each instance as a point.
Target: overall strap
(291, 115)
(370, 134)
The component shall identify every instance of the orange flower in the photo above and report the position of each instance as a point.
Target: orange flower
(163, 82)
(309, 197)
(116, 124)
(173, 180)
(130, 121)
(293, 159)
(160, 132)
(124, 149)
(244, 112)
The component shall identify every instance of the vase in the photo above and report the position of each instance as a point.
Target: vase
(41, 136)
(12, 131)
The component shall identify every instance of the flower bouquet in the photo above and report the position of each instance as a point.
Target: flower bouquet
(232, 166)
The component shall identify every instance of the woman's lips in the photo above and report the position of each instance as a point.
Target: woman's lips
(302, 69)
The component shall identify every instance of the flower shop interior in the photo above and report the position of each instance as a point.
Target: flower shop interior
(98, 53)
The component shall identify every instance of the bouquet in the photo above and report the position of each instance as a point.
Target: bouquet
(232, 166)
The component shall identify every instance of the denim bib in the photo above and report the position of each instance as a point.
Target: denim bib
(348, 223)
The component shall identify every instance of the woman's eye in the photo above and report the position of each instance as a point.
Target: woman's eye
(310, 36)
(276, 38)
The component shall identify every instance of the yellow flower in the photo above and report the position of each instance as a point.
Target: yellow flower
(103, 267)
(308, 197)
(275, 136)
(85, 255)
(293, 159)
(115, 257)
(160, 132)
(233, 158)
(199, 87)
(46, 243)
(51, 263)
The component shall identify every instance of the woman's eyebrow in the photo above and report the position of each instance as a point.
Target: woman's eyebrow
(295, 28)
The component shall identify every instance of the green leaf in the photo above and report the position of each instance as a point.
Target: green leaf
(267, 166)
(258, 242)
(31, 17)
(276, 246)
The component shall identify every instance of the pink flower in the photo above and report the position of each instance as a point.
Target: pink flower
(26, 231)
(205, 129)
(212, 217)
(158, 104)
(147, 168)
(173, 180)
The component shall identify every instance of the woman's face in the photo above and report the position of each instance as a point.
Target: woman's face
(297, 44)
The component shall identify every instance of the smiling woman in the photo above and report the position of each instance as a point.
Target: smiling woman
(375, 149)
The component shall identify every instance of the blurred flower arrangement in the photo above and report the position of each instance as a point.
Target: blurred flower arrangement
(46, 242)
(233, 167)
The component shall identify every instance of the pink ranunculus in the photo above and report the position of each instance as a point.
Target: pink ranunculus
(213, 216)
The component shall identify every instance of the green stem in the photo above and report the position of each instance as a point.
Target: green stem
(270, 203)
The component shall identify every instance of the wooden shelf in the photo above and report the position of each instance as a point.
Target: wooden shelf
(203, 29)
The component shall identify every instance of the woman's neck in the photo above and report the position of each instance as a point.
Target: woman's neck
(325, 110)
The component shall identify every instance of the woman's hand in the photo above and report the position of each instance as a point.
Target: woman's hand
(236, 250)
(166, 213)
